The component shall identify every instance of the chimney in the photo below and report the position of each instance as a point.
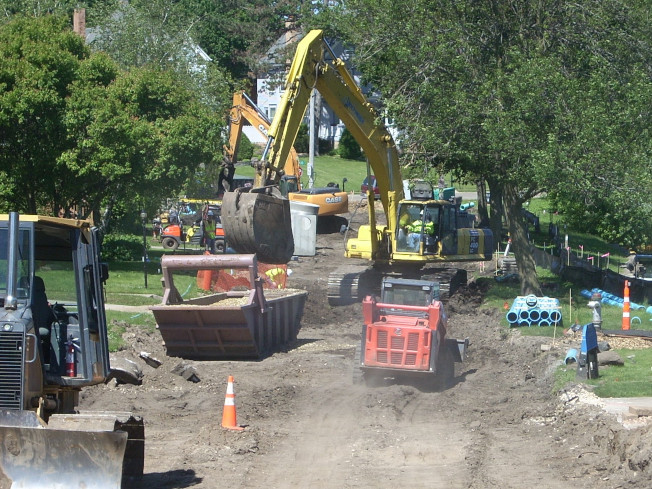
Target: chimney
(79, 22)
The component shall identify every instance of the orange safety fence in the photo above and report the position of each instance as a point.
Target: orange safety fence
(274, 277)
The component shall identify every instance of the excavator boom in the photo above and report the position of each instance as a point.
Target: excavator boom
(435, 229)
(314, 66)
(244, 109)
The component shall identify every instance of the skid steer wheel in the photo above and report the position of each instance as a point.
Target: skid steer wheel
(445, 375)
(170, 244)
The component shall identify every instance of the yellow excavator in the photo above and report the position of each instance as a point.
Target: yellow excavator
(331, 199)
(426, 228)
(52, 345)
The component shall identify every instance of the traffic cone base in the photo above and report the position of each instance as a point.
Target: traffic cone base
(229, 413)
(626, 307)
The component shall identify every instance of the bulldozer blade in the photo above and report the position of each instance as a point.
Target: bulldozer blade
(258, 222)
(34, 456)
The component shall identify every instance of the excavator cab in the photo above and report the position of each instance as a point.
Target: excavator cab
(420, 227)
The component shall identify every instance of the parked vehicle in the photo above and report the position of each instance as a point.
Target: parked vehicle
(373, 187)
(187, 230)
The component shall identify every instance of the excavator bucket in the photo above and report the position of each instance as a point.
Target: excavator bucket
(258, 221)
(35, 456)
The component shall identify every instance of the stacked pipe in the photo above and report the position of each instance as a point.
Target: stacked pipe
(532, 310)
(611, 299)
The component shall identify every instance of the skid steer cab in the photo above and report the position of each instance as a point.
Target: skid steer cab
(53, 343)
(404, 337)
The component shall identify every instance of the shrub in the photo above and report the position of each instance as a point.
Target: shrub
(349, 147)
(246, 149)
(302, 142)
(122, 247)
(325, 145)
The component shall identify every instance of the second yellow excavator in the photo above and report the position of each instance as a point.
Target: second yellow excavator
(424, 229)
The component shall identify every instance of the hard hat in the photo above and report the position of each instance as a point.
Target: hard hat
(210, 213)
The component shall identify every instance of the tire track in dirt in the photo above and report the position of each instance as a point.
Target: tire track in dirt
(347, 436)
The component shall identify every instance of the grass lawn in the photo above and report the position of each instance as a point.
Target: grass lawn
(634, 379)
(335, 169)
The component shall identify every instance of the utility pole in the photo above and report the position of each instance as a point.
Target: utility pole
(311, 142)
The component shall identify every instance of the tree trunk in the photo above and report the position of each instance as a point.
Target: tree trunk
(495, 211)
(483, 212)
(520, 245)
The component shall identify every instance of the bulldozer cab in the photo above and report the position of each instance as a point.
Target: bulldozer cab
(53, 339)
(53, 342)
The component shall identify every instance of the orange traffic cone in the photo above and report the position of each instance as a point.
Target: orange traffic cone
(626, 319)
(229, 415)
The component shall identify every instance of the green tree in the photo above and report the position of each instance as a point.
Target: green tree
(36, 8)
(349, 147)
(145, 138)
(78, 131)
(508, 92)
(238, 33)
(39, 59)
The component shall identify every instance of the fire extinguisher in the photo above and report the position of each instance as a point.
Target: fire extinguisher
(71, 368)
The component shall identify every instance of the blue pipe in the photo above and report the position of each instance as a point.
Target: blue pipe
(535, 315)
(512, 316)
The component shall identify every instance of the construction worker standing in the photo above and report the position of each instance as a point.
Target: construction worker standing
(209, 232)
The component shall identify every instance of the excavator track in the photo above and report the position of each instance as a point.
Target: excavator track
(450, 279)
(350, 284)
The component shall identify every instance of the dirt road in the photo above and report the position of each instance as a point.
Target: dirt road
(308, 425)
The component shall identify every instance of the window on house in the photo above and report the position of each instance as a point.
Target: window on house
(271, 112)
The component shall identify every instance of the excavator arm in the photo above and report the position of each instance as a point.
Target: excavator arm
(314, 67)
(245, 109)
